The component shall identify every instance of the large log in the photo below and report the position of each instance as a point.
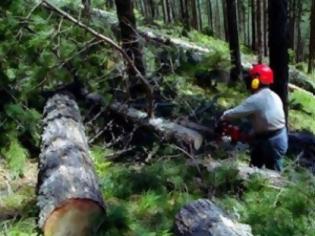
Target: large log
(167, 129)
(69, 198)
(204, 218)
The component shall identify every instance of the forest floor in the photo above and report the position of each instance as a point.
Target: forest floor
(144, 188)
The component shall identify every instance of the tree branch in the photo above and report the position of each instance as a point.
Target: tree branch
(110, 42)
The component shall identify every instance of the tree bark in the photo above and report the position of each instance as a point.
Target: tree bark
(200, 15)
(110, 4)
(210, 21)
(292, 18)
(254, 40)
(278, 42)
(299, 43)
(259, 31)
(225, 20)
(233, 42)
(169, 130)
(87, 7)
(311, 62)
(129, 37)
(69, 198)
(204, 218)
(265, 12)
(194, 18)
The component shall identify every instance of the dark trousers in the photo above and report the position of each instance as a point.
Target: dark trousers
(268, 150)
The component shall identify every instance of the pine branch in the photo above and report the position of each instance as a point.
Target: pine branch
(110, 42)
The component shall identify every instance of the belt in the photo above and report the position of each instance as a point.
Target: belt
(268, 134)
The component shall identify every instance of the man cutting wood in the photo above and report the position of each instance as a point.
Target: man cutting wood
(264, 108)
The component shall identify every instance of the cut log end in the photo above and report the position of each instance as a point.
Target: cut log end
(74, 218)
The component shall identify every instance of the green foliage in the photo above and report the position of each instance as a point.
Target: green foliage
(286, 211)
(23, 227)
(16, 156)
(302, 119)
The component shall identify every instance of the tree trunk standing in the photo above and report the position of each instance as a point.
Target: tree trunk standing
(292, 15)
(311, 63)
(110, 4)
(200, 15)
(225, 20)
(248, 24)
(254, 45)
(278, 43)
(152, 8)
(259, 31)
(186, 14)
(265, 12)
(233, 42)
(164, 11)
(87, 7)
(129, 37)
(210, 22)
(240, 20)
(218, 20)
(194, 19)
(69, 197)
(299, 44)
(168, 11)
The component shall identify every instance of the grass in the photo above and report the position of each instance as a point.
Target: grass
(303, 118)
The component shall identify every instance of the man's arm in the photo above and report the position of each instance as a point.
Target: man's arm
(246, 108)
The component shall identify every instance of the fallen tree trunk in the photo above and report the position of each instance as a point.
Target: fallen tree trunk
(69, 198)
(167, 129)
(245, 172)
(203, 217)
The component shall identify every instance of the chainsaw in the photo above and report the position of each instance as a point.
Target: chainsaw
(224, 129)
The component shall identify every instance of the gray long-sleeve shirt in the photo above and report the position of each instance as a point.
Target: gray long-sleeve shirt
(264, 108)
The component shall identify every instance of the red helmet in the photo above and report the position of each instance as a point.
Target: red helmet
(264, 73)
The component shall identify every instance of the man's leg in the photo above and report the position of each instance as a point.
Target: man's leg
(256, 156)
(277, 148)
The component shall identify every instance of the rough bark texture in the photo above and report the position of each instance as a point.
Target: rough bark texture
(130, 40)
(233, 40)
(167, 129)
(259, 31)
(278, 43)
(311, 62)
(204, 218)
(67, 185)
(246, 172)
(254, 45)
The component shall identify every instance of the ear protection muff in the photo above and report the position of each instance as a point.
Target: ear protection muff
(255, 84)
